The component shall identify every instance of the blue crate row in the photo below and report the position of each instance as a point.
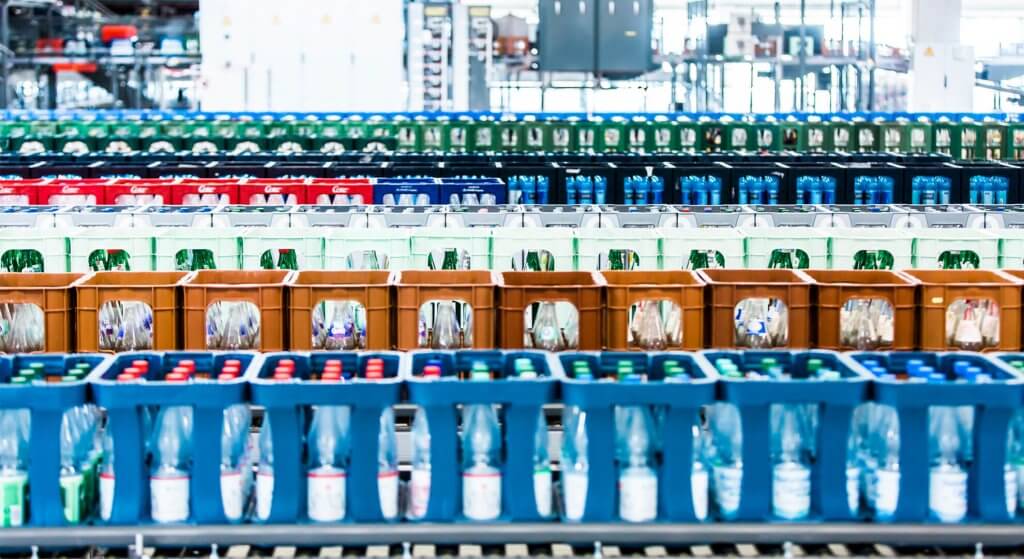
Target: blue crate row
(715, 436)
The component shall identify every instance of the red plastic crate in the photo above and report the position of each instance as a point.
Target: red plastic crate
(272, 187)
(26, 188)
(201, 187)
(335, 187)
(82, 187)
(136, 187)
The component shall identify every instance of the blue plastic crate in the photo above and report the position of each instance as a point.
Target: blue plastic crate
(46, 403)
(455, 190)
(754, 397)
(286, 404)
(397, 187)
(127, 403)
(682, 402)
(995, 403)
(521, 400)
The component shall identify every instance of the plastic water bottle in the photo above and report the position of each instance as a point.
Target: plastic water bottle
(700, 482)
(575, 461)
(791, 477)
(727, 465)
(542, 481)
(328, 460)
(233, 486)
(106, 477)
(170, 477)
(638, 482)
(947, 495)
(387, 450)
(884, 489)
(265, 472)
(481, 457)
(419, 482)
(13, 471)
(71, 479)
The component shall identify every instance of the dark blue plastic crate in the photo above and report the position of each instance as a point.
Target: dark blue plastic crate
(285, 404)
(836, 401)
(522, 402)
(46, 403)
(125, 403)
(461, 187)
(994, 403)
(399, 186)
(599, 399)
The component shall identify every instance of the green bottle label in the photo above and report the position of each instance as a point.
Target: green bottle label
(12, 499)
(71, 487)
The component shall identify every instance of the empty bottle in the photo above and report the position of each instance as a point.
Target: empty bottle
(169, 481)
(328, 461)
(446, 333)
(648, 327)
(420, 479)
(638, 482)
(545, 333)
(481, 457)
(265, 472)
(947, 493)
(791, 477)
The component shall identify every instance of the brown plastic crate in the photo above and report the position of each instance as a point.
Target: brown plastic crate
(372, 290)
(518, 290)
(263, 288)
(159, 290)
(415, 288)
(941, 287)
(726, 288)
(54, 295)
(625, 289)
(836, 287)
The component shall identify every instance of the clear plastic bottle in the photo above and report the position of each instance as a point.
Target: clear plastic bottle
(13, 469)
(638, 482)
(419, 484)
(947, 495)
(445, 333)
(71, 479)
(233, 461)
(542, 468)
(575, 464)
(727, 466)
(649, 328)
(326, 477)
(265, 472)
(107, 479)
(481, 458)
(169, 481)
(884, 489)
(791, 476)
(546, 333)
(699, 478)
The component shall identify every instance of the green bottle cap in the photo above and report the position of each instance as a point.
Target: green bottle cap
(830, 375)
(19, 380)
(769, 362)
(36, 366)
(814, 364)
(30, 373)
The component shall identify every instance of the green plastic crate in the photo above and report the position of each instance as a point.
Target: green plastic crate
(223, 243)
(508, 246)
(342, 242)
(871, 248)
(688, 248)
(596, 248)
(426, 241)
(1011, 248)
(307, 244)
(49, 243)
(781, 247)
(931, 244)
(85, 241)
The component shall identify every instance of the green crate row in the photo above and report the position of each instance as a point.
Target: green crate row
(963, 139)
(502, 249)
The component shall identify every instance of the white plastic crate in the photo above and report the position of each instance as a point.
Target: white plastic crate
(51, 244)
(1011, 248)
(847, 242)
(341, 242)
(472, 241)
(763, 242)
(509, 244)
(594, 245)
(308, 244)
(930, 244)
(679, 245)
(224, 243)
(84, 241)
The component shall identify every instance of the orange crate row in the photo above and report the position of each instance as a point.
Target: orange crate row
(385, 310)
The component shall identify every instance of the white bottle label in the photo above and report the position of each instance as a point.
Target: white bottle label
(699, 487)
(853, 488)
(325, 492)
(169, 498)
(1020, 485)
(791, 491)
(947, 494)
(638, 495)
(1011, 482)
(231, 490)
(419, 493)
(387, 490)
(886, 494)
(481, 495)
(728, 480)
(574, 489)
(542, 491)
(264, 494)
(106, 496)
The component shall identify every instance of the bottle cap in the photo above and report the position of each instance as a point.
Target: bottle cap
(135, 372)
(37, 366)
(30, 373)
(232, 363)
(188, 364)
(141, 364)
(282, 376)
(814, 364)
(19, 380)
(279, 370)
(231, 370)
(181, 370)
(332, 375)
(432, 371)
(374, 373)
(286, 363)
(226, 376)
(175, 376)
(125, 377)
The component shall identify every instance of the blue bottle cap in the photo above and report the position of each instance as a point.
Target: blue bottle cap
(936, 377)
(960, 367)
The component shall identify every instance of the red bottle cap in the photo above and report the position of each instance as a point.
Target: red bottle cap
(181, 371)
(232, 363)
(286, 363)
(125, 377)
(227, 376)
(331, 376)
(374, 373)
(431, 371)
(231, 369)
(189, 364)
(284, 371)
(176, 377)
(282, 376)
(141, 364)
(133, 371)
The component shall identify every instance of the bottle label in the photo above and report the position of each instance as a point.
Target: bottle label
(71, 487)
(1010, 481)
(574, 488)
(791, 491)
(947, 494)
(325, 493)
(853, 488)
(699, 487)
(727, 489)
(638, 495)
(542, 491)
(387, 489)
(481, 495)
(264, 494)
(231, 491)
(1020, 485)
(169, 498)
(886, 484)
(106, 496)
(12, 499)
(419, 493)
